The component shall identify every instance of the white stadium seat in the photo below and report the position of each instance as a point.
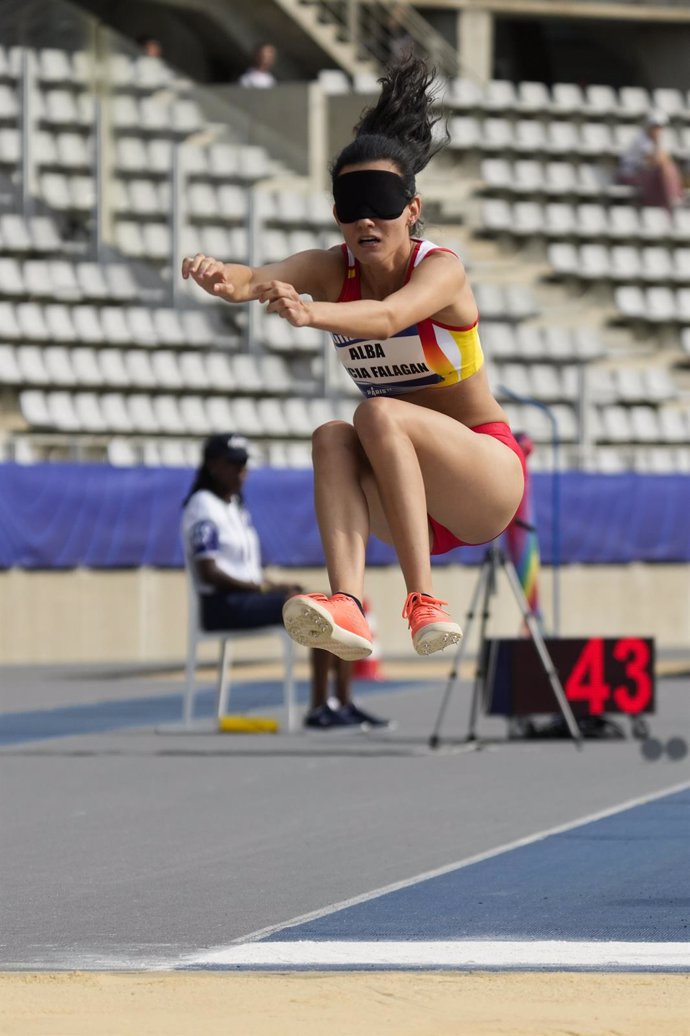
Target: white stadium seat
(59, 366)
(86, 366)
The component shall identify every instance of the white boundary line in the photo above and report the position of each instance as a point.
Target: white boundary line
(459, 954)
(314, 915)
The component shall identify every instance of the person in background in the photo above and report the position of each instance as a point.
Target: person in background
(223, 553)
(259, 73)
(648, 167)
(151, 46)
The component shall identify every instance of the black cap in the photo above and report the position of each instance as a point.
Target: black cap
(234, 448)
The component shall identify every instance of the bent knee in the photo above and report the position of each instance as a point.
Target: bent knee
(333, 435)
(375, 413)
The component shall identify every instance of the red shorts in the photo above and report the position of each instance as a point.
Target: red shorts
(444, 540)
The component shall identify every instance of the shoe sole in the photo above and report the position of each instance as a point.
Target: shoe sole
(312, 625)
(436, 636)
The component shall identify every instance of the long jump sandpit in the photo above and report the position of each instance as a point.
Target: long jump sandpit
(343, 1004)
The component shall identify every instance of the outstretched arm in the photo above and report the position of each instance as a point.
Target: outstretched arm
(438, 284)
(306, 272)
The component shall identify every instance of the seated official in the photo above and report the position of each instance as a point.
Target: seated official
(223, 554)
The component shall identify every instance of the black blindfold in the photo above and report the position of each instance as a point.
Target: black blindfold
(369, 194)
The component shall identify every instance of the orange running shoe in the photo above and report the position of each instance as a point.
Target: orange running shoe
(432, 628)
(333, 623)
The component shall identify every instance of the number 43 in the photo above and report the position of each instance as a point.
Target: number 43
(587, 681)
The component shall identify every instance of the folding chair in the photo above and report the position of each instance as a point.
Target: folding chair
(196, 634)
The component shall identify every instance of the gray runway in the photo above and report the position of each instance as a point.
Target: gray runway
(133, 848)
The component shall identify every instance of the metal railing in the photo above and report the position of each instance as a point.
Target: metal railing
(381, 31)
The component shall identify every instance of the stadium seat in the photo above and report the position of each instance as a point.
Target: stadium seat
(87, 324)
(594, 262)
(139, 369)
(88, 410)
(464, 132)
(297, 418)
(34, 408)
(247, 417)
(532, 98)
(166, 370)
(566, 99)
(562, 138)
(31, 365)
(499, 96)
(600, 101)
(496, 135)
(625, 263)
(220, 373)
(528, 219)
(634, 102)
(559, 220)
(530, 138)
(11, 278)
(220, 414)
(528, 176)
(564, 258)
(464, 94)
(59, 367)
(121, 453)
(193, 371)
(195, 419)
(141, 413)
(498, 339)
(32, 322)
(113, 369)
(167, 411)
(116, 330)
(9, 368)
(275, 374)
(87, 367)
(62, 412)
(247, 373)
(497, 215)
(271, 416)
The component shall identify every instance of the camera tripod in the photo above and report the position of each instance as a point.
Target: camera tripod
(495, 559)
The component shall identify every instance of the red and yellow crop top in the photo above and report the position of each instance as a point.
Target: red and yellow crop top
(425, 355)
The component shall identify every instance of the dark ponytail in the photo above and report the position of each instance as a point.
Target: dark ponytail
(202, 480)
(398, 128)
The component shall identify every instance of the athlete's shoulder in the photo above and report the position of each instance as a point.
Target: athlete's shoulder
(427, 249)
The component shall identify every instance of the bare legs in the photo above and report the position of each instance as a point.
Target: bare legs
(324, 666)
(341, 506)
(398, 463)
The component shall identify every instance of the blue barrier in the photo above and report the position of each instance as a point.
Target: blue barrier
(60, 516)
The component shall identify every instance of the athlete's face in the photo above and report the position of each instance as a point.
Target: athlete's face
(369, 237)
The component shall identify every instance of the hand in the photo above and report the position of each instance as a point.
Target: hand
(289, 589)
(210, 274)
(285, 301)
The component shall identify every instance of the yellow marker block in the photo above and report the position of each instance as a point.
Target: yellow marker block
(247, 725)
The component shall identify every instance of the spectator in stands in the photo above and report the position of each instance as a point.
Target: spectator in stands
(151, 46)
(259, 73)
(429, 462)
(223, 553)
(648, 167)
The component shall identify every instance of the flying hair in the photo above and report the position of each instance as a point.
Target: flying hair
(398, 128)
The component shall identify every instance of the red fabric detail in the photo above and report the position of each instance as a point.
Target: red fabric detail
(443, 539)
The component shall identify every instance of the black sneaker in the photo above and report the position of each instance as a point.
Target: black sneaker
(364, 719)
(326, 718)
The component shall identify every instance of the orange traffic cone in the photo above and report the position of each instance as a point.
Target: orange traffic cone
(369, 668)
